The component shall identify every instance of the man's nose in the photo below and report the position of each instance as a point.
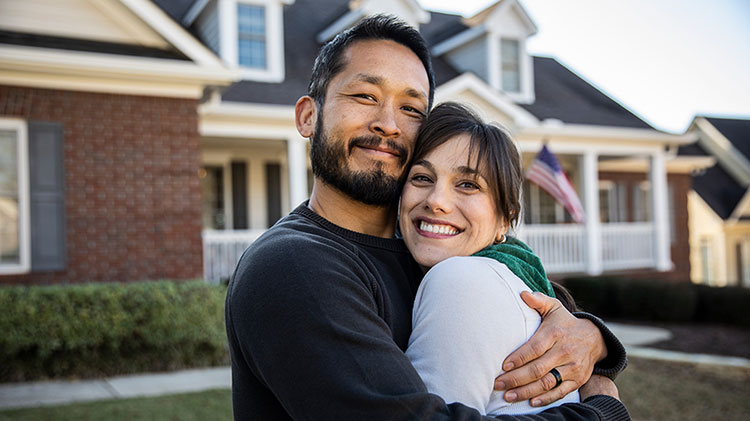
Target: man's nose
(384, 123)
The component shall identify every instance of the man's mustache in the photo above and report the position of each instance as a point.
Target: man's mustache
(374, 141)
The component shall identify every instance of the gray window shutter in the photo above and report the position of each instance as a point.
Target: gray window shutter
(47, 186)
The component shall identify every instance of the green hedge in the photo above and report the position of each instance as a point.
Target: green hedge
(658, 300)
(104, 329)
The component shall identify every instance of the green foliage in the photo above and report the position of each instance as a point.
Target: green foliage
(104, 329)
(659, 300)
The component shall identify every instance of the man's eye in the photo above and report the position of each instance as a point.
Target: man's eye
(414, 111)
(365, 96)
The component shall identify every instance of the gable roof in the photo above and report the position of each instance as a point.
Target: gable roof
(563, 95)
(722, 186)
(716, 187)
(736, 130)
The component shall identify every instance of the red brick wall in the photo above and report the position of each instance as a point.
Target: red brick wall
(680, 249)
(133, 205)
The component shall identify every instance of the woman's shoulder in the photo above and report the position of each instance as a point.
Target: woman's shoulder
(474, 271)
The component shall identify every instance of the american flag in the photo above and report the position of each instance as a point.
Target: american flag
(547, 173)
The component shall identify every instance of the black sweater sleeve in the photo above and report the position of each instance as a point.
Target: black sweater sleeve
(308, 339)
(617, 359)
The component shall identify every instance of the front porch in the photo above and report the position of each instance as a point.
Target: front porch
(562, 248)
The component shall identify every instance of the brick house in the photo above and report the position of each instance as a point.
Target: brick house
(99, 142)
(236, 163)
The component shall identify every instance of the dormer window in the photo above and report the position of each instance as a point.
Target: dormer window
(246, 34)
(510, 65)
(251, 35)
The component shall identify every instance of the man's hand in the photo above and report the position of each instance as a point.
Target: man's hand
(564, 342)
(599, 385)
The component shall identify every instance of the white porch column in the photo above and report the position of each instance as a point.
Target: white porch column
(591, 206)
(297, 164)
(659, 210)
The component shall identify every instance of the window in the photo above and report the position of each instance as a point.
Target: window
(612, 206)
(707, 261)
(540, 207)
(251, 36)
(510, 57)
(14, 213)
(642, 201)
(212, 184)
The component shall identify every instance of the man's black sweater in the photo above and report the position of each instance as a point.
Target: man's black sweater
(318, 318)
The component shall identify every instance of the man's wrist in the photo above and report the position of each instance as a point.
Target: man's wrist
(615, 358)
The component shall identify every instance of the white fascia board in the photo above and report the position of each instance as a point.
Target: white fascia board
(742, 208)
(458, 40)
(247, 110)
(470, 82)
(174, 33)
(729, 157)
(194, 11)
(107, 72)
(345, 21)
(610, 133)
(675, 165)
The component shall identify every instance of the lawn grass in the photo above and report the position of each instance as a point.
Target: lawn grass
(209, 405)
(652, 390)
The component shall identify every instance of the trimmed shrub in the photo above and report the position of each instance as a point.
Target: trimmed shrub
(658, 300)
(727, 305)
(95, 330)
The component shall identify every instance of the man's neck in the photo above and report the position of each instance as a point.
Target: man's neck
(342, 210)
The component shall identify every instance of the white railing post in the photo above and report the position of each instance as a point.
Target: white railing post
(297, 164)
(659, 210)
(591, 205)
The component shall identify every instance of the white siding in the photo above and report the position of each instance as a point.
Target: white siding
(471, 57)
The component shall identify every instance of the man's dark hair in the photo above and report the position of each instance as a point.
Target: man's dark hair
(378, 27)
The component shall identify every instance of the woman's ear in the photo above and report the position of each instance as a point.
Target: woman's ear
(305, 116)
(502, 229)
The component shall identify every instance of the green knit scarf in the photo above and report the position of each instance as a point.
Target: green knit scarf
(521, 261)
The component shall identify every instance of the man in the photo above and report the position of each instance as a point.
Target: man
(319, 308)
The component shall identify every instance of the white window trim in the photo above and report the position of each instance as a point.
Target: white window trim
(24, 213)
(228, 38)
(525, 63)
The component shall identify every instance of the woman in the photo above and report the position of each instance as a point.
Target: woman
(462, 194)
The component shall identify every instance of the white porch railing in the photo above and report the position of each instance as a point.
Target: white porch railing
(628, 245)
(222, 250)
(562, 248)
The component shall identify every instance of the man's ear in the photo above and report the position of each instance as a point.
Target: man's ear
(305, 116)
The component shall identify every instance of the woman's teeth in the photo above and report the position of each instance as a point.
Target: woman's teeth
(437, 229)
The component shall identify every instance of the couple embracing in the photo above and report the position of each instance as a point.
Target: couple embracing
(396, 292)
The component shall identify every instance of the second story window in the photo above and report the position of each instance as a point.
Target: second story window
(251, 34)
(510, 56)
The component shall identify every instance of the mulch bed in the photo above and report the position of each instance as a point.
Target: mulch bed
(704, 338)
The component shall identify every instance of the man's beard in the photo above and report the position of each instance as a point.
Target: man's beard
(372, 187)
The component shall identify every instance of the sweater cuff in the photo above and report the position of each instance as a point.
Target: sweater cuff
(609, 408)
(617, 358)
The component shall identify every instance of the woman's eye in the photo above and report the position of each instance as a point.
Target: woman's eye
(468, 185)
(421, 179)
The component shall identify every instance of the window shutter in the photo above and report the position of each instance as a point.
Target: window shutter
(47, 198)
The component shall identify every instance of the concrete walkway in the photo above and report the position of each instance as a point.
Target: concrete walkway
(20, 395)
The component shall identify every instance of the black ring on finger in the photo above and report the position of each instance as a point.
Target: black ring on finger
(558, 377)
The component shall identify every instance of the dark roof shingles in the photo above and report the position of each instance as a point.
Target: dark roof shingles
(563, 95)
(735, 130)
